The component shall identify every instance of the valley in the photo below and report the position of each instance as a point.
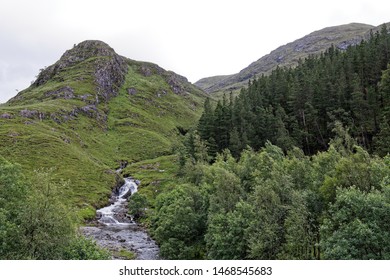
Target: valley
(105, 157)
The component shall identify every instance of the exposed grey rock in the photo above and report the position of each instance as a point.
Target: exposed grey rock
(29, 113)
(132, 91)
(176, 82)
(84, 97)
(64, 92)
(89, 110)
(146, 71)
(344, 45)
(6, 116)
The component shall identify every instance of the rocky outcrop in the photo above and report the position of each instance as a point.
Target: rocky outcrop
(109, 69)
(32, 114)
(109, 76)
(64, 92)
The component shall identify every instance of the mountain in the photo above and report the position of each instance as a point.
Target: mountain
(92, 112)
(288, 55)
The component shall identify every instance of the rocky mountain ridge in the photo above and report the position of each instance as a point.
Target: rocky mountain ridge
(289, 55)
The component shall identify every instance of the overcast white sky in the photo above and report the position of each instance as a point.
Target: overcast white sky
(194, 38)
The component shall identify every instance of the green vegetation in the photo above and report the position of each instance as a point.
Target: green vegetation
(35, 222)
(320, 192)
(295, 167)
(67, 120)
(125, 255)
(272, 205)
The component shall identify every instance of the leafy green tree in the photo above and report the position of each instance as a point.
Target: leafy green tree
(13, 191)
(300, 237)
(227, 236)
(226, 189)
(34, 221)
(359, 169)
(137, 205)
(179, 222)
(266, 238)
(48, 223)
(358, 226)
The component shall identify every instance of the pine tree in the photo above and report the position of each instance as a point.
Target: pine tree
(206, 121)
(235, 146)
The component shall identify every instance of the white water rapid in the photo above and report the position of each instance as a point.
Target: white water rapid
(114, 212)
(116, 231)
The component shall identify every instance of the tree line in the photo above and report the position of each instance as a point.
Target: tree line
(298, 107)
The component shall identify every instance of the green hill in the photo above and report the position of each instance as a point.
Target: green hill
(91, 111)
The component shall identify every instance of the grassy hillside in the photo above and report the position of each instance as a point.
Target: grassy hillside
(91, 111)
(288, 55)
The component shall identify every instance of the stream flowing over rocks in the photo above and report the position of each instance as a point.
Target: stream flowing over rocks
(116, 231)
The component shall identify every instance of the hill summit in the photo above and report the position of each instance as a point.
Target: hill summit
(90, 112)
(109, 68)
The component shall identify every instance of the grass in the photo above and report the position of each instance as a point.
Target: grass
(156, 175)
(140, 129)
(124, 254)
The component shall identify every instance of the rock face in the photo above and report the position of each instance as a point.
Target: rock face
(65, 92)
(110, 68)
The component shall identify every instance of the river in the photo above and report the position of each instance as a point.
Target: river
(116, 231)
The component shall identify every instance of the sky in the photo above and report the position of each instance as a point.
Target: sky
(194, 38)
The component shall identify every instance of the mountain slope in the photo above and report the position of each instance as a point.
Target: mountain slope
(288, 55)
(92, 111)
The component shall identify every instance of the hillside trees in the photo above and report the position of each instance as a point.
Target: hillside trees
(300, 106)
(320, 190)
(275, 205)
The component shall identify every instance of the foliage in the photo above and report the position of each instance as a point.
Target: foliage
(272, 205)
(180, 222)
(82, 248)
(47, 222)
(137, 205)
(35, 223)
(357, 226)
